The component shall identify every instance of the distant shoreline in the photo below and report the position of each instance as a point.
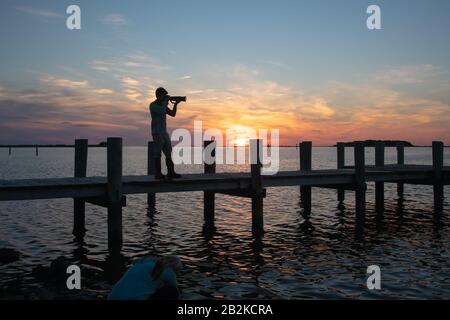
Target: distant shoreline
(4, 146)
(47, 146)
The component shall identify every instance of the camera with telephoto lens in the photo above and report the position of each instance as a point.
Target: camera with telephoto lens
(177, 99)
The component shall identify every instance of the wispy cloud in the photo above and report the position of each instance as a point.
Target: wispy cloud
(410, 74)
(130, 82)
(43, 13)
(65, 83)
(131, 63)
(136, 75)
(273, 63)
(114, 19)
(101, 66)
(103, 91)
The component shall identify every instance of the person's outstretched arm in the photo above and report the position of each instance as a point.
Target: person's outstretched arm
(172, 112)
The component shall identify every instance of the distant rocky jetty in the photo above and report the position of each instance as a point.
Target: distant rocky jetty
(387, 143)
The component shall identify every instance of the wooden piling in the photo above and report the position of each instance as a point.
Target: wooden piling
(360, 180)
(438, 186)
(114, 193)
(37, 151)
(379, 186)
(400, 161)
(151, 197)
(257, 188)
(80, 170)
(9, 150)
(305, 165)
(340, 165)
(209, 168)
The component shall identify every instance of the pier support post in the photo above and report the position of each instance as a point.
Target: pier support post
(400, 161)
(257, 188)
(305, 165)
(80, 169)
(438, 187)
(379, 186)
(209, 152)
(114, 192)
(9, 150)
(340, 165)
(37, 150)
(360, 180)
(151, 197)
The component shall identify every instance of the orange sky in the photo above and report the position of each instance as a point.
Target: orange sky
(66, 108)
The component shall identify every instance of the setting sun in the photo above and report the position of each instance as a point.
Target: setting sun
(239, 135)
(241, 142)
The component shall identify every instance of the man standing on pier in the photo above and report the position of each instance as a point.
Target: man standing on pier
(158, 110)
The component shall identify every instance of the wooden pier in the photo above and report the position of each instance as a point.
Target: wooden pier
(111, 191)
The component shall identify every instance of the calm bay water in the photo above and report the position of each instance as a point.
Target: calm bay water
(324, 256)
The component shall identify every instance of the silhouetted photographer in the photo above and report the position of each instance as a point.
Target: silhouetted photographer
(158, 110)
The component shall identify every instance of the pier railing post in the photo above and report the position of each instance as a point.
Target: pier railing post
(114, 193)
(340, 165)
(209, 148)
(400, 161)
(151, 197)
(305, 165)
(80, 170)
(360, 180)
(379, 186)
(257, 187)
(438, 187)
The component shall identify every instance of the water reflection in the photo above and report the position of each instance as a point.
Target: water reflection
(208, 231)
(80, 250)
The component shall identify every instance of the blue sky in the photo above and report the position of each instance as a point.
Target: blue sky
(242, 62)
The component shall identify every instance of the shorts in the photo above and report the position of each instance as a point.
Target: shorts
(161, 142)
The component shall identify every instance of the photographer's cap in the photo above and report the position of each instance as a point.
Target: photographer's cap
(161, 93)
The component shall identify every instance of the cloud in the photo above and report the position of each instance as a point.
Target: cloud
(273, 63)
(103, 91)
(133, 95)
(364, 109)
(315, 108)
(135, 73)
(114, 20)
(43, 13)
(65, 83)
(137, 63)
(407, 75)
(52, 116)
(224, 96)
(130, 82)
(100, 66)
